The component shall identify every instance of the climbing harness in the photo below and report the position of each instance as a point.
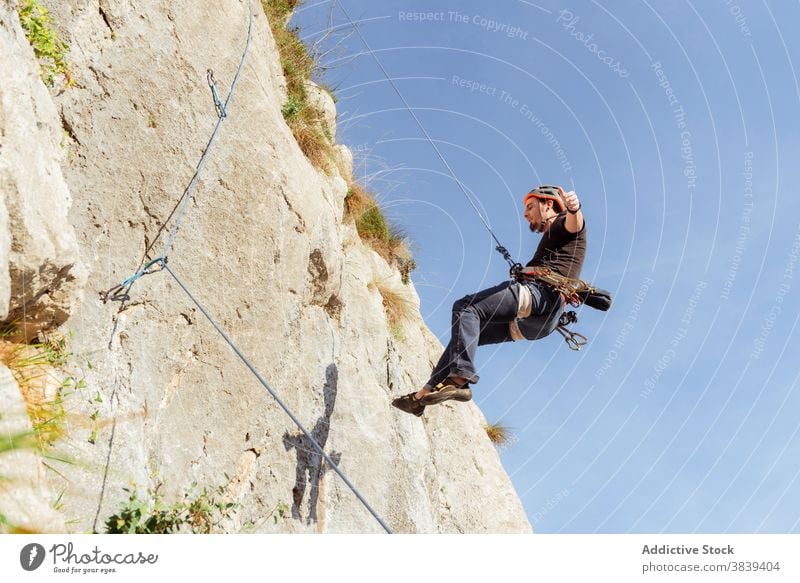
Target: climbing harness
(120, 292)
(574, 292)
(570, 288)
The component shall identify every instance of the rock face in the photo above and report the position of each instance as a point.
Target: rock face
(40, 280)
(264, 247)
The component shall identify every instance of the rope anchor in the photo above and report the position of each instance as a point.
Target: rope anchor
(218, 105)
(119, 293)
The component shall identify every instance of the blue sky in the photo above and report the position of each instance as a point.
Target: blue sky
(676, 124)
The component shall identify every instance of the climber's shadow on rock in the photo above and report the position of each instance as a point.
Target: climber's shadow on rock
(311, 466)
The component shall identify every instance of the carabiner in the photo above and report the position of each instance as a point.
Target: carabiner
(574, 340)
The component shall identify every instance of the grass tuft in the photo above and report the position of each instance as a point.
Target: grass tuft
(25, 440)
(387, 239)
(372, 225)
(38, 368)
(500, 435)
(397, 305)
(309, 130)
(357, 200)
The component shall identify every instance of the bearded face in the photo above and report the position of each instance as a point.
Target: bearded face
(537, 213)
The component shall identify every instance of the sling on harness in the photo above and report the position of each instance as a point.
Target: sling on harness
(575, 293)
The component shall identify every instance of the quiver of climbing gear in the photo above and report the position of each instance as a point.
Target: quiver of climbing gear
(596, 298)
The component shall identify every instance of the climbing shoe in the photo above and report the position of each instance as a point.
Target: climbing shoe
(410, 404)
(447, 390)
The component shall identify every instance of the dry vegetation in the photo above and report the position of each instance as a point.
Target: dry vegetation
(39, 371)
(306, 120)
(397, 305)
(315, 140)
(499, 434)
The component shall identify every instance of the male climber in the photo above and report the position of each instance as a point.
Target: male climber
(514, 310)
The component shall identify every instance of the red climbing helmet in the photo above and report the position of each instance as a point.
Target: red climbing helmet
(547, 192)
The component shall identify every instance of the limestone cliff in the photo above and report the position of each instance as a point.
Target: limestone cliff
(90, 173)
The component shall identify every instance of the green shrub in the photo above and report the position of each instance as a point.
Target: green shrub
(200, 514)
(48, 48)
(291, 108)
(388, 240)
(406, 266)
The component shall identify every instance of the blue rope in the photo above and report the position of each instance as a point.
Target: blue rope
(188, 193)
(222, 116)
(143, 271)
(269, 389)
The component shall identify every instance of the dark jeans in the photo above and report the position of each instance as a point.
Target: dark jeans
(483, 318)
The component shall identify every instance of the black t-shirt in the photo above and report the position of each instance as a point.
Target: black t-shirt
(560, 250)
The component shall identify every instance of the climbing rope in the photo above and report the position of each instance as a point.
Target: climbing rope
(514, 266)
(120, 292)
